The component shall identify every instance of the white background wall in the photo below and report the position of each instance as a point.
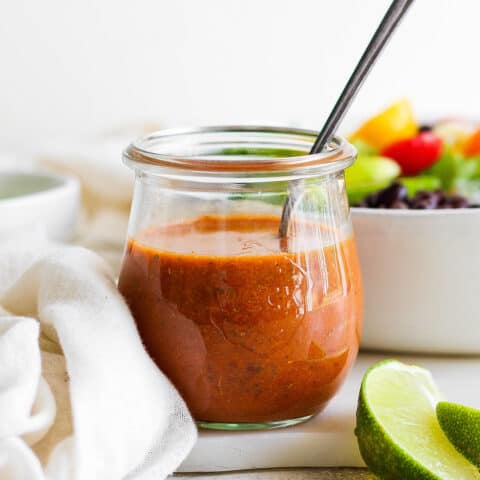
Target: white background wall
(92, 65)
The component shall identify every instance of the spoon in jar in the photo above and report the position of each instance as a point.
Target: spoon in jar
(384, 31)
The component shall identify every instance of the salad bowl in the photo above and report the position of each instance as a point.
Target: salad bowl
(418, 250)
(421, 274)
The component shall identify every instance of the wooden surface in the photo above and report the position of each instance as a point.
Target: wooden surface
(286, 474)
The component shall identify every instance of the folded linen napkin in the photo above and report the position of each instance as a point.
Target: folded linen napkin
(80, 399)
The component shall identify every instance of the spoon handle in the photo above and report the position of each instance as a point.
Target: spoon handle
(381, 36)
(384, 31)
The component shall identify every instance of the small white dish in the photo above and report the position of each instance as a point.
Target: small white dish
(30, 199)
(421, 273)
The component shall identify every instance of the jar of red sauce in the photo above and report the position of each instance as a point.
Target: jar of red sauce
(254, 328)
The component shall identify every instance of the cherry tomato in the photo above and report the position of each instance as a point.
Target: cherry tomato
(415, 154)
(472, 146)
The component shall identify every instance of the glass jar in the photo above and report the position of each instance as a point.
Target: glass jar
(255, 328)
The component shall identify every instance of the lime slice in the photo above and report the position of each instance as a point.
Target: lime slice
(462, 426)
(397, 428)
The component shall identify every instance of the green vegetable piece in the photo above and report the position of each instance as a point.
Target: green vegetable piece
(261, 152)
(368, 175)
(453, 167)
(422, 182)
(357, 194)
(367, 170)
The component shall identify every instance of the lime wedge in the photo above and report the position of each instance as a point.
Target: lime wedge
(462, 427)
(397, 428)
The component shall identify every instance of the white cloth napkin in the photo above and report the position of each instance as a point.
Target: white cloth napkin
(80, 399)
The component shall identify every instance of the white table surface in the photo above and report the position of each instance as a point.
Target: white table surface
(326, 441)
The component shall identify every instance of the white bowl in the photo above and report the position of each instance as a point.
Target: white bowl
(421, 272)
(44, 200)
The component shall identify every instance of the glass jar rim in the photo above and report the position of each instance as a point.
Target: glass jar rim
(197, 150)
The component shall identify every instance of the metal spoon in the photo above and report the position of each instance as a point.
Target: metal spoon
(384, 31)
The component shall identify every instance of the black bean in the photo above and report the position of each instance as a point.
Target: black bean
(422, 194)
(399, 205)
(425, 204)
(394, 193)
(440, 193)
(396, 196)
(372, 200)
(458, 201)
(424, 128)
(425, 200)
